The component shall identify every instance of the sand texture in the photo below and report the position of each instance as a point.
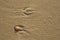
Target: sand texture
(40, 18)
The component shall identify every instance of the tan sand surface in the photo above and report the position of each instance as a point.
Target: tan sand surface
(42, 24)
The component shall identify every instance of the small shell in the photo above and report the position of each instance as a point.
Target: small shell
(18, 28)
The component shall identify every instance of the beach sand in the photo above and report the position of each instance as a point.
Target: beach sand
(42, 24)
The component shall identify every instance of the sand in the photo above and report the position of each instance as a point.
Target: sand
(42, 24)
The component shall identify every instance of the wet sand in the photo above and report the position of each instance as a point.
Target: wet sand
(42, 24)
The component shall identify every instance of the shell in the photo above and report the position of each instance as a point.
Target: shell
(18, 28)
